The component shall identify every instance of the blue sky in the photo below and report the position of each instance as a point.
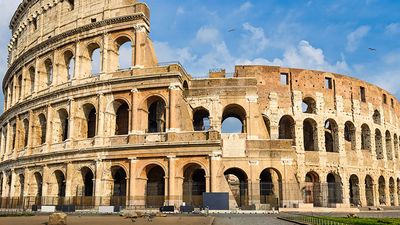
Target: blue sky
(325, 35)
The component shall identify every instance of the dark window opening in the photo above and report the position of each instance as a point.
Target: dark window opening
(201, 121)
(157, 117)
(328, 83)
(362, 94)
(122, 120)
(384, 99)
(309, 106)
(284, 79)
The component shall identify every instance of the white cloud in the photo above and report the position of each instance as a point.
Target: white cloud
(256, 41)
(393, 28)
(354, 38)
(207, 35)
(245, 6)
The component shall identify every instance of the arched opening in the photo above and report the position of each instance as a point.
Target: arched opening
(49, 71)
(1, 184)
(309, 106)
(91, 120)
(95, 58)
(32, 72)
(121, 118)
(71, 4)
(270, 187)
(369, 190)
(331, 136)
(377, 117)
(267, 125)
(125, 52)
(60, 183)
(87, 177)
(389, 152)
(156, 115)
(354, 190)
(155, 186)
(42, 129)
(365, 137)
(350, 136)
(201, 119)
(310, 135)
(69, 59)
(378, 145)
(14, 136)
(194, 185)
(381, 190)
(61, 126)
(21, 186)
(287, 128)
(26, 132)
(39, 184)
(119, 186)
(237, 181)
(19, 86)
(334, 189)
(396, 146)
(312, 189)
(185, 85)
(391, 190)
(233, 119)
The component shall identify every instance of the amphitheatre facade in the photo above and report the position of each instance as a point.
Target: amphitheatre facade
(79, 129)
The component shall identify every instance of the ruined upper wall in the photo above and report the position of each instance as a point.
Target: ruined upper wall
(36, 21)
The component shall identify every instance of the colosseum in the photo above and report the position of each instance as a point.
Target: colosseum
(80, 129)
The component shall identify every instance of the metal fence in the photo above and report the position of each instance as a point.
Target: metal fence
(311, 220)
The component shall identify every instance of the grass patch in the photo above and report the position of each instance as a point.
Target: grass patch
(365, 221)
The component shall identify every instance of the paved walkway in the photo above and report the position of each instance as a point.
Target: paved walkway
(108, 220)
(248, 220)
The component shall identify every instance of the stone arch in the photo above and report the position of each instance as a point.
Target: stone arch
(31, 81)
(94, 61)
(155, 185)
(335, 191)
(270, 187)
(365, 137)
(354, 187)
(312, 189)
(398, 189)
(38, 185)
(89, 128)
(331, 136)
(119, 177)
(60, 126)
(201, 119)
(350, 136)
(19, 87)
(238, 183)
(58, 184)
(309, 105)
(125, 51)
(21, 180)
(25, 123)
(48, 65)
(378, 145)
(388, 141)
(68, 67)
(185, 85)
(369, 190)
(41, 129)
(381, 190)
(117, 118)
(310, 135)
(287, 128)
(391, 190)
(233, 119)
(156, 114)
(87, 181)
(376, 117)
(194, 184)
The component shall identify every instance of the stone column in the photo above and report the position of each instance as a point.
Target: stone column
(376, 194)
(173, 117)
(254, 185)
(134, 128)
(387, 191)
(3, 182)
(13, 183)
(98, 187)
(49, 128)
(215, 161)
(71, 120)
(139, 46)
(69, 177)
(101, 109)
(30, 132)
(346, 191)
(252, 121)
(27, 178)
(132, 181)
(172, 195)
(363, 197)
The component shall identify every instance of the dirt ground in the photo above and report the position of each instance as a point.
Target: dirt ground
(108, 220)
